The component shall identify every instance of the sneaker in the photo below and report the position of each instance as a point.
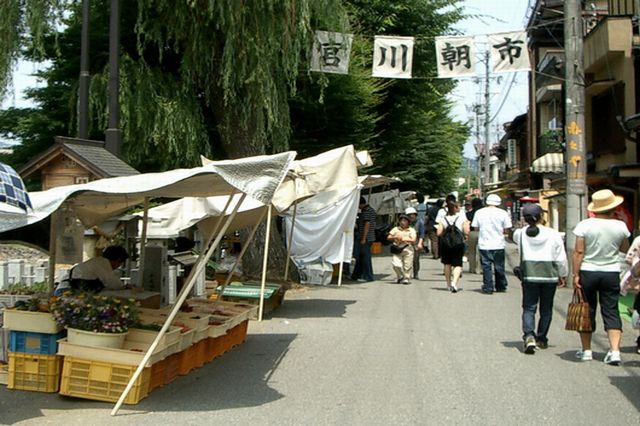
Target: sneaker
(638, 345)
(530, 345)
(586, 355)
(399, 280)
(454, 289)
(542, 344)
(405, 281)
(612, 358)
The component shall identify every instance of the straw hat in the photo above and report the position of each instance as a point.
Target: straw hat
(604, 200)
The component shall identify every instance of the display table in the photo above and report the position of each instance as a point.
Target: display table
(249, 292)
(146, 299)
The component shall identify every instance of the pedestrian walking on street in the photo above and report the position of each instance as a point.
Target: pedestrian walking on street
(631, 280)
(418, 225)
(492, 224)
(543, 263)
(599, 241)
(430, 227)
(366, 224)
(453, 230)
(472, 242)
(402, 236)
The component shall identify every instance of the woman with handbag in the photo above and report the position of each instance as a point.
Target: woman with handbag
(599, 241)
(543, 267)
(403, 236)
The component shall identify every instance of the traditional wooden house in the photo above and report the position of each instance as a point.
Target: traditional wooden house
(72, 161)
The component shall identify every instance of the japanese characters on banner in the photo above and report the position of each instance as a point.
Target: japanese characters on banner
(456, 56)
(331, 52)
(392, 56)
(509, 51)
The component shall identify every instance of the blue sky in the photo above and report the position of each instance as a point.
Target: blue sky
(494, 16)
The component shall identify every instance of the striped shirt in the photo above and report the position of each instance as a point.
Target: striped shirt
(367, 214)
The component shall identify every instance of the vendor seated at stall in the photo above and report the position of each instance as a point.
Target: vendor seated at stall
(96, 274)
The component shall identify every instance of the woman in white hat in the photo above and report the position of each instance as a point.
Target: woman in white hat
(599, 241)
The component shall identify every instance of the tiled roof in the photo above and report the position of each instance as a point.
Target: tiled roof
(100, 158)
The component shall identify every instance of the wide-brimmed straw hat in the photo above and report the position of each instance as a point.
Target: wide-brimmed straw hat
(604, 200)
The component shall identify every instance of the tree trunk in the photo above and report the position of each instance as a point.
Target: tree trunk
(240, 141)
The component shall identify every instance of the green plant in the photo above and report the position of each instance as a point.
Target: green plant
(551, 141)
(99, 314)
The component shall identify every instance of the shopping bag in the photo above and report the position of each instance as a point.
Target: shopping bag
(578, 318)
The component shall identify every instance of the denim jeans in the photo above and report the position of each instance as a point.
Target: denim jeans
(363, 268)
(534, 295)
(487, 258)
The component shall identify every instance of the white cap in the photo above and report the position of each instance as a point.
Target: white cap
(493, 200)
(410, 210)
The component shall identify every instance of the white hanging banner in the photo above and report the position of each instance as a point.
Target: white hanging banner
(509, 51)
(392, 56)
(456, 56)
(331, 52)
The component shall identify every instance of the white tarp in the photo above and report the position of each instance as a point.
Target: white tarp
(387, 202)
(167, 220)
(322, 230)
(93, 202)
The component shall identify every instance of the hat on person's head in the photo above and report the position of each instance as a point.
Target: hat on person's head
(410, 210)
(604, 200)
(493, 200)
(533, 210)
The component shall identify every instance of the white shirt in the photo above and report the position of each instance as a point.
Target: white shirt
(97, 268)
(491, 223)
(602, 239)
(457, 219)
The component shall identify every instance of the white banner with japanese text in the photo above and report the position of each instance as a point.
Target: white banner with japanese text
(331, 52)
(509, 51)
(455, 56)
(392, 56)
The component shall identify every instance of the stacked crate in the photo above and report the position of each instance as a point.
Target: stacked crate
(33, 344)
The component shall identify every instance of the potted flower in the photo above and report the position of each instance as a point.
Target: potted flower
(94, 320)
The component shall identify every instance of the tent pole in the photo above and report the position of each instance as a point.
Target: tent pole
(191, 279)
(143, 242)
(224, 212)
(53, 235)
(340, 269)
(293, 225)
(264, 264)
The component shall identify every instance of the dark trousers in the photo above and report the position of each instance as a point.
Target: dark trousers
(495, 258)
(605, 287)
(416, 262)
(435, 243)
(363, 268)
(536, 295)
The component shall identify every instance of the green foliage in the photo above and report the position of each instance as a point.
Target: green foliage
(418, 141)
(551, 141)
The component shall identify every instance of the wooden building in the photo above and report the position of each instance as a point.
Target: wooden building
(72, 161)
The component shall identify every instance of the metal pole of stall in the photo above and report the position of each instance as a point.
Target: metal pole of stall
(264, 264)
(340, 269)
(143, 242)
(293, 226)
(191, 279)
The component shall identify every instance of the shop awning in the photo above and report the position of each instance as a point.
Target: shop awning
(549, 163)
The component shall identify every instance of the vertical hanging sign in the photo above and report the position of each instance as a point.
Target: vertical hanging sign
(331, 52)
(455, 56)
(392, 56)
(509, 51)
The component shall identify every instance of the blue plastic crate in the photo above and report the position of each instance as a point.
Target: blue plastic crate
(34, 343)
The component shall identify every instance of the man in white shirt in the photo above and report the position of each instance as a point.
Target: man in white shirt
(492, 223)
(98, 273)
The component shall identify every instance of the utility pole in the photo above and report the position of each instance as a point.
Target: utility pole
(83, 90)
(574, 119)
(113, 134)
(487, 125)
(477, 109)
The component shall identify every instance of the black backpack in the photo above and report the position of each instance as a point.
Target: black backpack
(452, 237)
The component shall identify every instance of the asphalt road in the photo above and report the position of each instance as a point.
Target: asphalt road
(381, 353)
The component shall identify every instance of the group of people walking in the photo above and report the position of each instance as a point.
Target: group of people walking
(451, 234)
